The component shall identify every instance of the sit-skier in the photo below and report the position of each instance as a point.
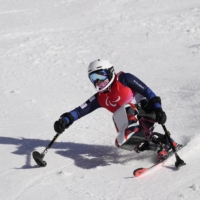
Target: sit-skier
(129, 99)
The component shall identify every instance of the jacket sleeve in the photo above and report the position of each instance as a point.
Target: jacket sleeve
(138, 86)
(87, 107)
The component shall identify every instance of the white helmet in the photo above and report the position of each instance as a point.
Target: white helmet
(95, 70)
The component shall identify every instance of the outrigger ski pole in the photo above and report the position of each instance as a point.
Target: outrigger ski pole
(178, 162)
(38, 157)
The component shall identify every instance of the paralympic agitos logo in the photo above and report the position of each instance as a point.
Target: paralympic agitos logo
(112, 103)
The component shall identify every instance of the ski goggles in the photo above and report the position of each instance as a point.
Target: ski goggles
(100, 75)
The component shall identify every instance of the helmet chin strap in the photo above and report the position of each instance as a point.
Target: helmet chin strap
(104, 90)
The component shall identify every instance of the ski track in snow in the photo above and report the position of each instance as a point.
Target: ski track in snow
(45, 48)
(37, 180)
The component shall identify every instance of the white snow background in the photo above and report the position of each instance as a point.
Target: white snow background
(45, 48)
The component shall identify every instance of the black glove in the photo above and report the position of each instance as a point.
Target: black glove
(61, 124)
(161, 117)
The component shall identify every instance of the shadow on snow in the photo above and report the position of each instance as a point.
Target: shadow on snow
(84, 155)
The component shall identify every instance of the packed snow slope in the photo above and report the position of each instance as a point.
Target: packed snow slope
(45, 48)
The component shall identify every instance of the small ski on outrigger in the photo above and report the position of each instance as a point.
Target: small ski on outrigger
(140, 171)
(38, 157)
(179, 162)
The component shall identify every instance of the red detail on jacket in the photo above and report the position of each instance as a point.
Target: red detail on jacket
(117, 97)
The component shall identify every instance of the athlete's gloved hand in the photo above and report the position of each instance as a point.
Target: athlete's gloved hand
(161, 117)
(60, 125)
(64, 122)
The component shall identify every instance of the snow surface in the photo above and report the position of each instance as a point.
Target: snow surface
(45, 48)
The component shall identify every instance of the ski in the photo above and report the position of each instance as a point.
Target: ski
(138, 172)
(39, 159)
